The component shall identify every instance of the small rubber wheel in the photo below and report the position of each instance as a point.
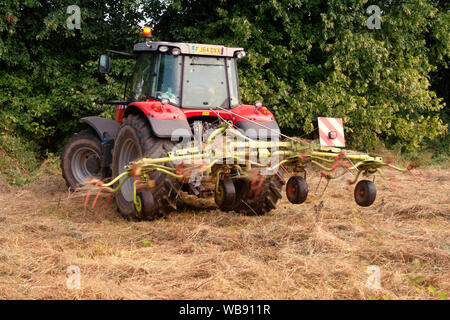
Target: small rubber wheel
(296, 190)
(147, 204)
(241, 187)
(225, 195)
(365, 193)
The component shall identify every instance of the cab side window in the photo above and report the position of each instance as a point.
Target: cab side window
(141, 78)
(166, 77)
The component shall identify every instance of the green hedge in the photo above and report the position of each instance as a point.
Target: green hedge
(305, 59)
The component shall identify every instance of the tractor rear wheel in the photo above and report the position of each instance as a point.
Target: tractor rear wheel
(81, 158)
(259, 200)
(135, 140)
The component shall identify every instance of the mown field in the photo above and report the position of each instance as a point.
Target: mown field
(317, 250)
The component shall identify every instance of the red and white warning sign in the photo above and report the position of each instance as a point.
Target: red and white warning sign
(331, 132)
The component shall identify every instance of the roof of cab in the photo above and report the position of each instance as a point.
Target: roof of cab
(189, 48)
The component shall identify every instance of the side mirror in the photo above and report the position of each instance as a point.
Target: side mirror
(104, 65)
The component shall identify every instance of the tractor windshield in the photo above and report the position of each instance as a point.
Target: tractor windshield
(186, 81)
(209, 82)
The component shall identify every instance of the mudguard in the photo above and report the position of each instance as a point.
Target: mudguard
(262, 125)
(166, 121)
(106, 128)
(261, 130)
(170, 128)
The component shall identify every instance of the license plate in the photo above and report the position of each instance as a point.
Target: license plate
(207, 50)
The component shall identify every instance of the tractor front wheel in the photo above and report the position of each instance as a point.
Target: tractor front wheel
(81, 158)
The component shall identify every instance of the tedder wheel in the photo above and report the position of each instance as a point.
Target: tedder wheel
(81, 158)
(365, 193)
(135, 140)
(147, 203)
(296, 190)
(225, 195)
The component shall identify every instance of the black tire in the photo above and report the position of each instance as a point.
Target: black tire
(296, 190)
(241, 187)
(135, 140)
(81, 158)
(258, 204)
(365, 193)
(225, 195)
(147, 204)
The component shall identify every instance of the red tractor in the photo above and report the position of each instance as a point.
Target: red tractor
(175, 89)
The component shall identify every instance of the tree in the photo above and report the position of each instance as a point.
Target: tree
(305, 59)
(318, 58)
(48, 76)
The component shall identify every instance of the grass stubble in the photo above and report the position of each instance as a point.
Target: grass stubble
(320, 249)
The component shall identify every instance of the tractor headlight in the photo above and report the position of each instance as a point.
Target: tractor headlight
(239, 54)
(176, 51)
(163, 49)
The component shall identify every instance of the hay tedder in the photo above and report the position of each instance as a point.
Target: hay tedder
(182, 127)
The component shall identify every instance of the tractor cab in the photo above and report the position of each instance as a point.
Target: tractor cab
(187, 75)
(186, 82)
(177, 83)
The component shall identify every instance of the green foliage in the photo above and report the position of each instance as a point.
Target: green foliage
(305, 59)
(146, 243)
(48, 76)
(318, 58)
(434, 292)
(18, 162)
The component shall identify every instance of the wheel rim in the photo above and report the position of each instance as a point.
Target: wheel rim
(128, 153)
(361, 192)
(292, 190)
(85, 163)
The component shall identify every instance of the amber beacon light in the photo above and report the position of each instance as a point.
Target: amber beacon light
(147, 32)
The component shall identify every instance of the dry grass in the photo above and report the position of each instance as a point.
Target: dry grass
(318, 250)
